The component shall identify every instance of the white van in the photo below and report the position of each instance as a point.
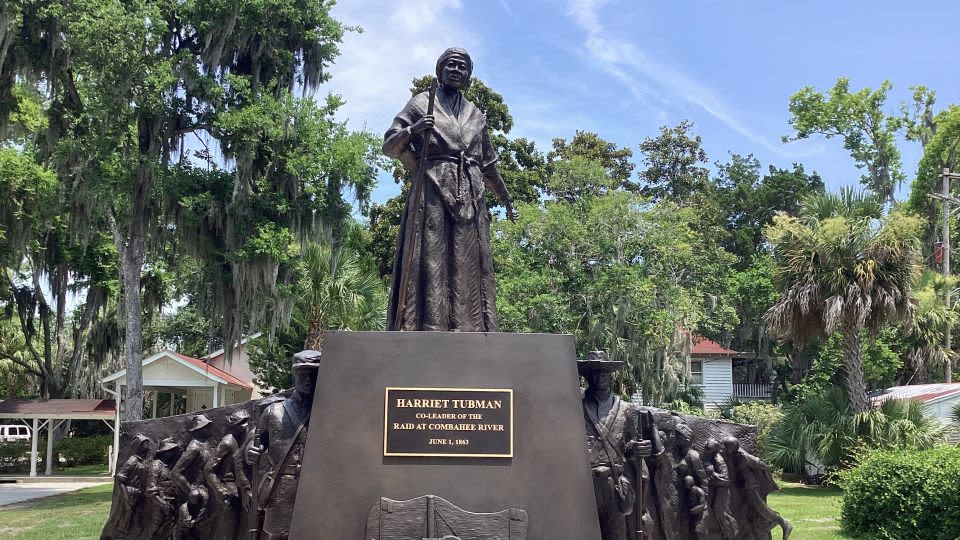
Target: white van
(14, 433)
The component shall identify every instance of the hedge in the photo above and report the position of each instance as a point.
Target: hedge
(84, 450)
(896, 494)
(71, 451)
(14, 456)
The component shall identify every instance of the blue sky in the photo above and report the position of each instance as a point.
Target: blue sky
(622, 68)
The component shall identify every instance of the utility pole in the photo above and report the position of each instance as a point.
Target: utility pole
(944, 196)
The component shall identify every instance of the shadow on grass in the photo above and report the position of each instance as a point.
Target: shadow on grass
(813, 492)
(84, 497)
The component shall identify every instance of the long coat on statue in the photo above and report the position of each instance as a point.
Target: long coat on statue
(449, 283)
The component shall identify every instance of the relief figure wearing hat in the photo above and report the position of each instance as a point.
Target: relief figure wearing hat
(615, 447)
(443, 263)
(281, 436)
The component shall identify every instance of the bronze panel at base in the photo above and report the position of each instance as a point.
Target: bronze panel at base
(345, 472)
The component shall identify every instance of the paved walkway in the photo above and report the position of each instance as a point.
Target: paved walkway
(14, 493)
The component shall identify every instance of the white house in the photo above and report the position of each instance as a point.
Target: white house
(724, 374)
(938, 399)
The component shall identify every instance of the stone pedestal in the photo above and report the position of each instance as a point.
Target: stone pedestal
(345, 470)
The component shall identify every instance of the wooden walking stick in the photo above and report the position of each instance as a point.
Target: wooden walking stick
(416, 215)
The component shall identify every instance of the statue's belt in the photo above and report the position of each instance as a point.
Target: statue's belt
(459, 199)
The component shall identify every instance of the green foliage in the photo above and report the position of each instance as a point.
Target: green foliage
(29, 192)
(882, 357)
(84, 450)
(337, 289)
(748, 201)
(15, 456)
(763, 415)
(904, 494)
(927, 353)
(839, 268)
(823, 431)
(588, 146)
(111, 101)
(868, 133)
(675, 165)
(618, 276)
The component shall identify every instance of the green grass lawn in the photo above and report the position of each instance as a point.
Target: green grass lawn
(83, 470)
(77, 515)
(812, 510)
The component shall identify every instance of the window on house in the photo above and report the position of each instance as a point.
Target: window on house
(696, 371)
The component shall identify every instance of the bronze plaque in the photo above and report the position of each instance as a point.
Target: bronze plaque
(448, 422)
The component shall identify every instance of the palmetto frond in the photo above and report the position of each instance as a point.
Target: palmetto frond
(844, 269)
(337, 292)
(841, 266)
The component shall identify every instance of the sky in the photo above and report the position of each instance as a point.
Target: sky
(623, 68)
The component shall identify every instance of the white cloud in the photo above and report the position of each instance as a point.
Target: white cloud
(634, 69)
(400, 41)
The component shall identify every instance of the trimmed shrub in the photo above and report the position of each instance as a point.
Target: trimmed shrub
(14, 456)
(84, 450)
(903, 494)
(760, 414)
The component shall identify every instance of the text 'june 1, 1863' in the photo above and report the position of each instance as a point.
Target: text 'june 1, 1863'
(448, 422)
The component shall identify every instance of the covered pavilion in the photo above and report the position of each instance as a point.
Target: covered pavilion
(50, 413)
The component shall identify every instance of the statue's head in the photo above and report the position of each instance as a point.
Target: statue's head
(197, 496)
(684, 435)
(141, 445)
(199, 426)
(597, 369)
(454, 68)
(712, 446)
(731, 444)
(305, 367)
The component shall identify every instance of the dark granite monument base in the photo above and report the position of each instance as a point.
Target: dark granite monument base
(346, 473)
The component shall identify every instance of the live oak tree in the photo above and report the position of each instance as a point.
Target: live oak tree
(54, 290)
(675, 165)
(143, 97)
(869, 132)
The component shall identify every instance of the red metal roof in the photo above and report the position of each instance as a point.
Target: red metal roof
(214, 371)
(703, 346)
(24, 408)
(923, 393)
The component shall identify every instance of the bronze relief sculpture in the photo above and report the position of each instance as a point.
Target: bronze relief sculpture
(614, 445)
(443, 270)
(282, 434)
(433, 518)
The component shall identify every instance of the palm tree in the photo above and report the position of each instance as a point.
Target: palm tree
(928, 348)
(824, 433)
(841, 265)
(338, 292)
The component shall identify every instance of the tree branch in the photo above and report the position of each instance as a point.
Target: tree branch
(190, 129)
(21, 363)
(115, 232)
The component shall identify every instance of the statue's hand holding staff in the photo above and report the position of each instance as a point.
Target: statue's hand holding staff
(423, 124)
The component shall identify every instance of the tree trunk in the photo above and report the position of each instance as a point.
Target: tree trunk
(131, 264)
(314, 341)
(853, 365)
